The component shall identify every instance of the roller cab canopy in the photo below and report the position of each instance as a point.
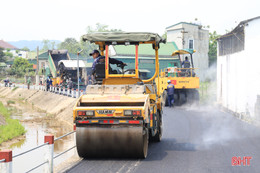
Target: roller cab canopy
(123, 37)
(183, 51)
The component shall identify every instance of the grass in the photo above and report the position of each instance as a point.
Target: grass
(12, 128)
(15, 88)
(10, 102)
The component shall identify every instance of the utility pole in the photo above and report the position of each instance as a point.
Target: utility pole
(78, 69)
(37, 68)
(183, 40)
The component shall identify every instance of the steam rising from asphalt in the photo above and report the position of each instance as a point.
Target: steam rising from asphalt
(217, 127)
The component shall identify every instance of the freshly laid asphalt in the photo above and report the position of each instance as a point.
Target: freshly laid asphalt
(196, 140)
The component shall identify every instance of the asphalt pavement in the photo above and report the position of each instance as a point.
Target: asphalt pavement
(195, 140)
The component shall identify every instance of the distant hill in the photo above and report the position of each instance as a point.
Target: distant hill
(32, 45)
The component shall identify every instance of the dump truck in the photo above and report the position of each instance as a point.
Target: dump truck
(121, 113)
(185, 80)
(61, 68)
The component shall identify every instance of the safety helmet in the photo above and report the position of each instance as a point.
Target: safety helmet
(169, 81)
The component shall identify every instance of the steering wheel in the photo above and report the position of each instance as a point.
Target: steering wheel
(122, 67)
(131, 71)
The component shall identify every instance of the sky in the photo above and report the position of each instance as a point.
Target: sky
(60, 19)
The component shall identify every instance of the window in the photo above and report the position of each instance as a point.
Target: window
(191, 44)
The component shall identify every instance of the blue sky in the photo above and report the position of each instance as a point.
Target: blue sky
(59, 19)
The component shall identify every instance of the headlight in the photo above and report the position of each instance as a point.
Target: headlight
(132, 112)
(128, 112)
(86, 113)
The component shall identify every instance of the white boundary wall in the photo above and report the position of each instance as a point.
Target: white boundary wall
(238, 76)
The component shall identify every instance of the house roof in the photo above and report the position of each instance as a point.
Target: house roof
(45, 55)
(238, 27)
(182, 23)
(6, 45)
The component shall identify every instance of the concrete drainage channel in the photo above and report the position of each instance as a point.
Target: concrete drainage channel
(61, 157)
(6, 157)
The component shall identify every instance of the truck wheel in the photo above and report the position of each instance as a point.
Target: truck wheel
(196, 96)
(145, 143)
(165, 98)
(158, 136)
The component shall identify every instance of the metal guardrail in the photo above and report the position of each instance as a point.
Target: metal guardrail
(56, 90)
(37, 166)
(64, 152)
(64, 135)
(30, 150)
(49, 141)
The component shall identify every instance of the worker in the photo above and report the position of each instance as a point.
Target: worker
(170, 93)
(70, 84)
(48, 83)
(29, 80)
(6, 82)
(186, 63)
(98, 58)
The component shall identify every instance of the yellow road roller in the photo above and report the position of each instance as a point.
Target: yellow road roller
(120, 113)
(185, 81)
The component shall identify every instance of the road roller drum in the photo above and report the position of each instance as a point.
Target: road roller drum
(112, 141)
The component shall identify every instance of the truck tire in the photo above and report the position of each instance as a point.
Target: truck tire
(145, 143)
(165, 98)
(158, 136)
(196, 96)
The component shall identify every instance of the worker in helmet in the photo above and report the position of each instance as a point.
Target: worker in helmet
(170, 93)
(186, 63)
(98, 58)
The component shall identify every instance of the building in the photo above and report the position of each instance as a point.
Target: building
(191, 36)
(14, 50)
(238, 69)
(146, 57)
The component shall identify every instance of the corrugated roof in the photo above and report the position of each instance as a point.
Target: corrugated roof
(45, 55)
(6, 45)
(147, 50)
(238, 27)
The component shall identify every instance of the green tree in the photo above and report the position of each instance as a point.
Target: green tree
(2, 55)
(20, 66)
(164, 35)
(87, 46)
(53, 44)
(46, 45)
(8, 55)
(25, 49)
(212, 47)
(101, 28)
(70, 44)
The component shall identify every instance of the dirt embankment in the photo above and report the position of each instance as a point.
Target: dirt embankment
(54, 104)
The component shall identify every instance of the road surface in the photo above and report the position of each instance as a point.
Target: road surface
(195, 140)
